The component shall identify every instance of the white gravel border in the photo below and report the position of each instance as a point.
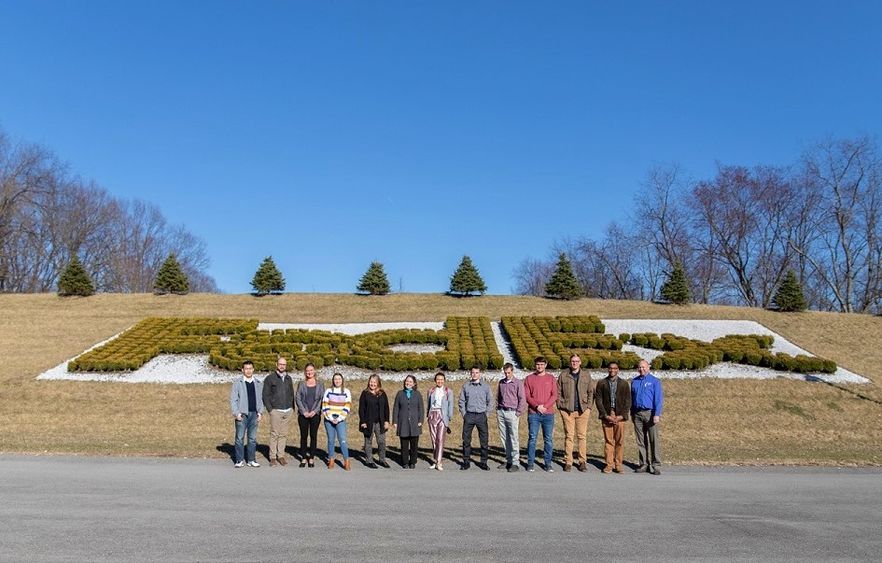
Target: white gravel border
(194, 368)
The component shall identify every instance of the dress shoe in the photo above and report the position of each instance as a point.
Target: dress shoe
(568, 467)
(655, 471)
(412, 466)
(382, 463)
(310, 463)
(283, 461)
(582, 467)
(273, 463)
(482, 466)
(372, 465)
(465, 466)
(331, 463)
(607, 469)
(302, 463)
(641, 469)
(503, 466)
(513, 468)
(618, 470)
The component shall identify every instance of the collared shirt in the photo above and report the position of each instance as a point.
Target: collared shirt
(646, 394)
(613, 383)
(475, 397)
(510, 395)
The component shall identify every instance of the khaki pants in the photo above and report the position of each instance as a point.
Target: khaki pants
(279, 432)
(613, 447)
(575, 427)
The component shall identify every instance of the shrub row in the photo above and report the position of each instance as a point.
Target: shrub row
(557, 338)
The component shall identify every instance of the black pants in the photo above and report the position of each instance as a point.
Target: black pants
(470, 421)
(409, 450)
(310, 426)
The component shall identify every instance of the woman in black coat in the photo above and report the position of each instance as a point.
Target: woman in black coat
(407, 419)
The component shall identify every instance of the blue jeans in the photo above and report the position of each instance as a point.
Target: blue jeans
(534, 421)
(249, 424)
(338, 432)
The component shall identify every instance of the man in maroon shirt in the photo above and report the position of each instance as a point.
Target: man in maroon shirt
(510, 405)
(540, 389)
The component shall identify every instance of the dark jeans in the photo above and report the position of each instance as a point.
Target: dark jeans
(247, 424)
(376, 429)
(470, 421)
(409, 450)
(308, 426)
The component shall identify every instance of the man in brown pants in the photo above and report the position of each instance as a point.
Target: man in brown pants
(613, 400)
(575, 394)
(278, 399)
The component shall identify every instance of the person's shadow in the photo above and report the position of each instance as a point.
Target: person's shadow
(230, 450)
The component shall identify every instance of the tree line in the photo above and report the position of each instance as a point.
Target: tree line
(49, 216)
(740, 233)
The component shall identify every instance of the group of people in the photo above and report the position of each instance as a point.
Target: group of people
(572, 394)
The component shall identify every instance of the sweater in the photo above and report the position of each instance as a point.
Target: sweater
(372, 409)
(540, 390)
(336, 404)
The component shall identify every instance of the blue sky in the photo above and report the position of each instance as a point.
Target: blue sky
(331, 134)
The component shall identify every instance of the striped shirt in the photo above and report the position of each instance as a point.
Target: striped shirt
(336, 404)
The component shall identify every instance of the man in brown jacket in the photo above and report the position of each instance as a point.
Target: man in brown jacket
(575, 394)
(612, 397)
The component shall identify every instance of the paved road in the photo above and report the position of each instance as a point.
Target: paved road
(111, 509)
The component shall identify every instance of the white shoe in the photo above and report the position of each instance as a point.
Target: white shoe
(253, 464)
(439, 467)
(432, 466)
(239, 464)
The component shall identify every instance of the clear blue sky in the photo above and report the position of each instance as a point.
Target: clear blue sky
(330, 134)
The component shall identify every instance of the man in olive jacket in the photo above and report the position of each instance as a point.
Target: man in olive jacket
(575, 395)
(612, 397)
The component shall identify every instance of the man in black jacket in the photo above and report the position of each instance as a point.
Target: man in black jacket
(278, 399)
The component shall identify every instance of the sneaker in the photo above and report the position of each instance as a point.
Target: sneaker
(253, 463)
(432, 466)
(482, 466)
(549, 469)
(439, 467)
(530, 469)
(513, 468)
(239, 464)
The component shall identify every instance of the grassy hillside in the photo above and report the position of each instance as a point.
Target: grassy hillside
(713, 421)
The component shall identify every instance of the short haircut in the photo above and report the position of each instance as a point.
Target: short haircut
(540, 360)
(611, 364)
(507, 366)
(477, 367)
(441, 374)
(575, 356)
(247, 363)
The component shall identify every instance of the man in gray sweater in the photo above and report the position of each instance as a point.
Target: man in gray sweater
(475, 401)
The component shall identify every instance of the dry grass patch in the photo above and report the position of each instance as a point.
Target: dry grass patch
(706, 421)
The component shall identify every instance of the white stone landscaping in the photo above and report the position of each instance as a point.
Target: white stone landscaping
(194, 368)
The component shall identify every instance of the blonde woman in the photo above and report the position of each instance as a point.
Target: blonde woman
(439, 412)
(373, 418)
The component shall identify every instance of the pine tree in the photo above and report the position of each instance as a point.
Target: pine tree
(75, 280)
(466, 279)
(268, 279)
(171, 278)
(563, 283)
(676, 288)
(789, 296)
(374, 281)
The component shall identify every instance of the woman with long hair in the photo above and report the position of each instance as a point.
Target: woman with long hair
(439, 401)
(336, 403)
(373, 418)
(407, 418)
(310, 393)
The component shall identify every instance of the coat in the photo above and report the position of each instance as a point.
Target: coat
(408, 414)
(623, 398)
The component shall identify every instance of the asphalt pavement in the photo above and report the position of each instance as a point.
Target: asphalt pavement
(122, 509)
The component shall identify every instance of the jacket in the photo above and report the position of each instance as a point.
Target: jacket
(566, 391)
(300, 397)
(446, 404)
(278, 393)
(239, 395)
(623, 398)
(372, 409)
(407, 414)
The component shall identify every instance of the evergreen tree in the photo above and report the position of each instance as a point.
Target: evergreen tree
(75, 280)
(676, 288)
(466, 279)
(563, 283)
(268, 279)
(171, 278)
(374, 281)
(789, 296)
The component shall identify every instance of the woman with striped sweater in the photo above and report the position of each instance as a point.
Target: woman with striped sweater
(336, 403)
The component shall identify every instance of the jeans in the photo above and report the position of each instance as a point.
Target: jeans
(534, 421)
(247, 424)
(338, 432)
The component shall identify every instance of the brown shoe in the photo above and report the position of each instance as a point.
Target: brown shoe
(346, 464)
(283, 461)
(618, 470)
(583, 467)
(273, 463)
(607, 469)
(568, 467)
(331, 464)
